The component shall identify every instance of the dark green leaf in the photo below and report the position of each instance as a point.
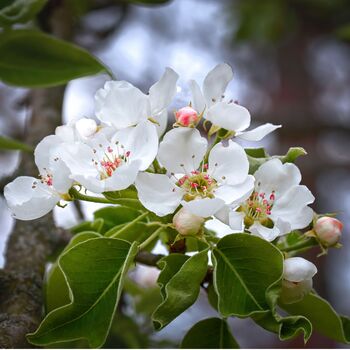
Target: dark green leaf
(113, 216)
(322, 316)
(95, 270)
(245, 269)
(212, 333)
(256, 152)
(19, 11)
(56, 288)
(33, 59)
(7, 143)
(95, 226)
(181, 289)
(286, 327)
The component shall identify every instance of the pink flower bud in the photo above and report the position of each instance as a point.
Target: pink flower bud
(186, 116)
(186, 223)
(328, 230)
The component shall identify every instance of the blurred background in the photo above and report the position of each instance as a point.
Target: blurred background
(291, 62)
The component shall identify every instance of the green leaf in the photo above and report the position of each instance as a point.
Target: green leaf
(286, 327)
(322, 316)
(95, 226)
(292, 154)
(113, 216)
(56, 288)
(212, 333)
(245, 268)
(180, 285)
(95, 270)
(33, 59)
(256, 152)
(19, 11)
(147, 2)
(7, 143)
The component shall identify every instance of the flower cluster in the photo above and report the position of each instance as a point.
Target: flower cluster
(181, 173)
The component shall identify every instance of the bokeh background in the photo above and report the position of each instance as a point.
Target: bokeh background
(291, 60)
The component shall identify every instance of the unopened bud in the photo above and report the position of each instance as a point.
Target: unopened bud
(86, 127)
(187, 116)
(328, 230)
(186, 223)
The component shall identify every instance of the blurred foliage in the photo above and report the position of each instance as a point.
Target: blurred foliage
(7, 143)
(273, 20)
(19, 11)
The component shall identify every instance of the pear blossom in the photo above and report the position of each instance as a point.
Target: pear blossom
(102, 165)
(225, 113)
(30, 198)
(297, 279)
(328, 230)
(121, 105)
(187, 223)
(187, 117)
(201, 188)
(277, 205)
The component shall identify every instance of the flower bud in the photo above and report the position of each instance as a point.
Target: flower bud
(187, 116)
(297, 279)
(86, 127)
(328, 230)
(186, 223)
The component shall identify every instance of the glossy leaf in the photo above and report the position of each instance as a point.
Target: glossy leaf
(56, 288)
(245, 269)
(322, 316)
(7, 143)
(95, 226)
(180, 285)
(33, 59)
(212, 333)
(286, 327)
(19, 11)
(95, 270)
(113, 216)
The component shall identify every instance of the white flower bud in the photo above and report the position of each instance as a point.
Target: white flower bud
(297, 279)
(328, 230)
(86, 127)
(186, 223)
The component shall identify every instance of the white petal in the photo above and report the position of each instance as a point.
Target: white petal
(301, 219)
(162, 119)
(204, 207)
(292, 202)
(61, 180)
(236, 194)
(157, 193)
(266, 233)
(258, 133)
(42, 153)
(141, 141)
(122, 177)
(223, 214)
(26, 202)
(216, 81)
(65, 133)
(163, 91)
(298, 269)
(198, 101)
(86, 127)
(273, 175)
(236, 220)
(229, 164)
(230, 116)
(121, 105)
(182, 148)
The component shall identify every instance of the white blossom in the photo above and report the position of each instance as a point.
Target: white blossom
(120, 104)
(201, 188)
(223, 112)
(277, 205)
(297, 279)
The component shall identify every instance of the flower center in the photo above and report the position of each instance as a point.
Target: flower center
(258, 208)
(197, 185)
(111, 160)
